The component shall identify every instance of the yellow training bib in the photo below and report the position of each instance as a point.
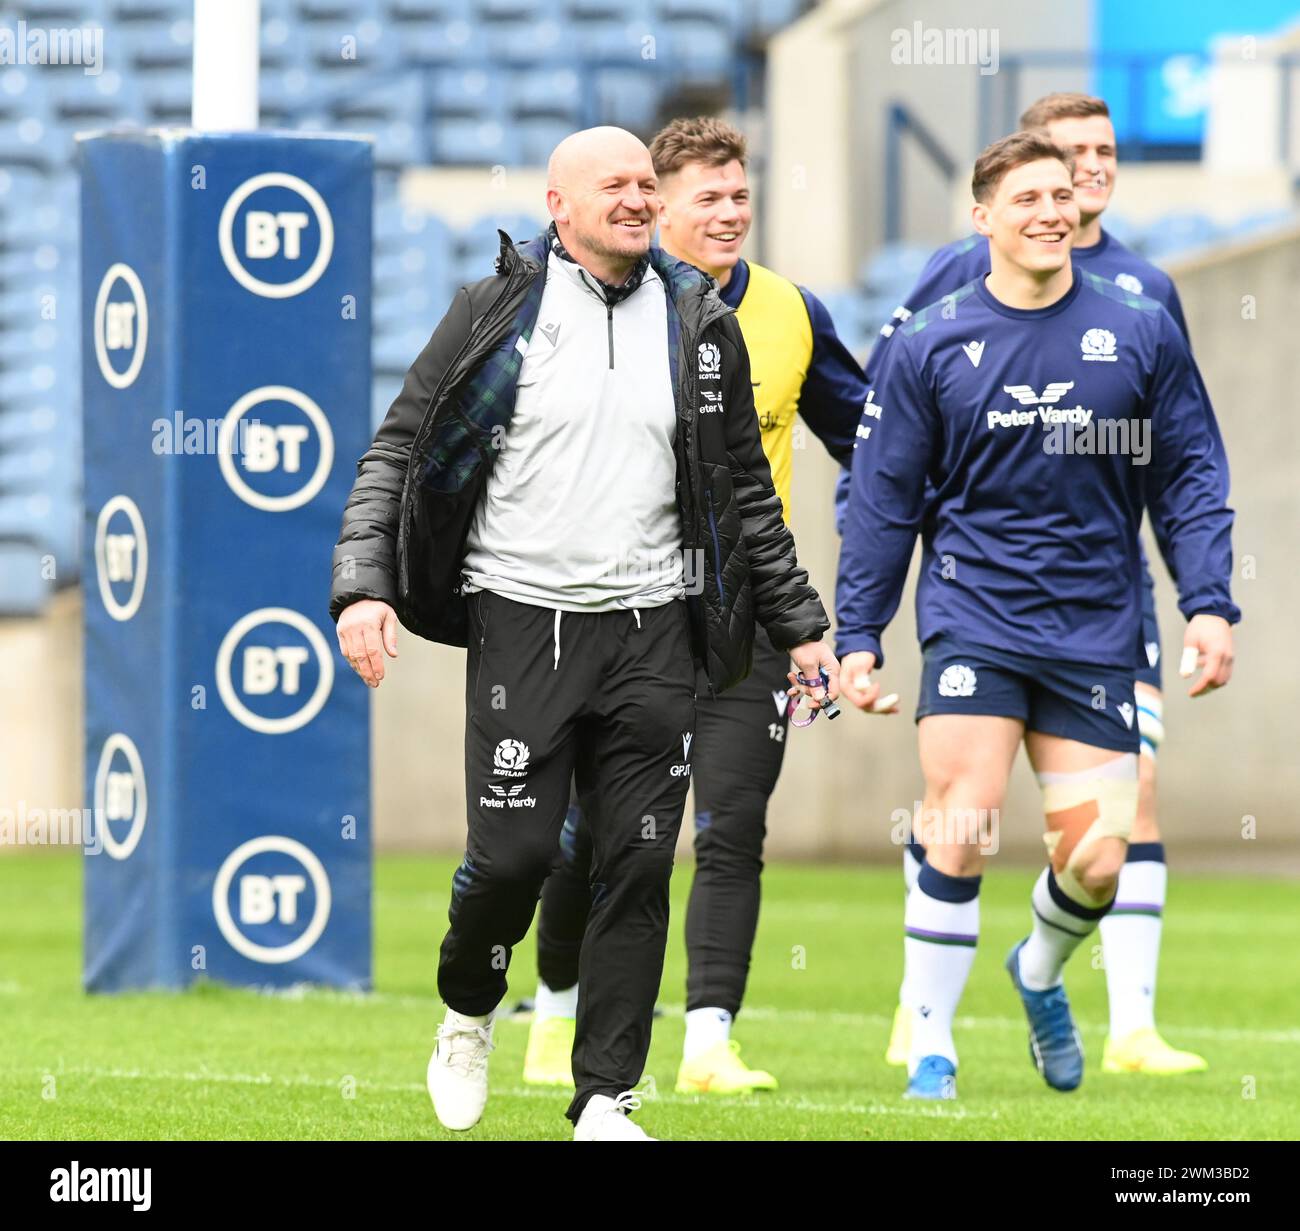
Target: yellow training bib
(778, 336)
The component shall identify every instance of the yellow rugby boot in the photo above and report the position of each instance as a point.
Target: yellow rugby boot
(900, 1037)
(720, 1070)
(547, 1062)
(1144, 1051)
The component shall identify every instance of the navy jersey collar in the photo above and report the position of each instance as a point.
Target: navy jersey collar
(1003, 309)
(1093, 252)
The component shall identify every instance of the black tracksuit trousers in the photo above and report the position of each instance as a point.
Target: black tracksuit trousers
(605, 701)
(737, 753)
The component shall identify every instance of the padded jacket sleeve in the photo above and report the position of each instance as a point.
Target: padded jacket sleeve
(365, 557)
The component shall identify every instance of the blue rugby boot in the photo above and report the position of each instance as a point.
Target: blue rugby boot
(935, 1078)
(1054, 1043)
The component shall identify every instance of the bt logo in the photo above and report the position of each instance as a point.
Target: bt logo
(274, 899)
(277, 235)
(276, 452)
(120, 795)
(121, 326)
(274, 668)
(121, 557)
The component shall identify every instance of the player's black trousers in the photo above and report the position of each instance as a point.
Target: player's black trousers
(736, 759)
(613, 714)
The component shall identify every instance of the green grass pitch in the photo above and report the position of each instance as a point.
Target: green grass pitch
(219, 1062)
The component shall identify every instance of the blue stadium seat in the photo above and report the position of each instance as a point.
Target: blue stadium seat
(32, 142)
(614, 39)
(427, 10)
(50, 12)
(478, 244)
(496, 10)
(545, 91)
(421, 257)
(469, 92)
(154, 44)
(148, 10)
(894, 269)
(423, 304)
(168, 96)
(23, 92)
(587, 10)
(527, 41)
(395, 350)
(50, 523)
(26, 422)
(28, 469)
(724, 13)
(698, 50)
(628, 97)
(450, 42)
(475, 142)
(539, 135)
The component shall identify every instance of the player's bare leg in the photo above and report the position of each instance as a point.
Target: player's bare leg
(1090, 801)
(966, 760)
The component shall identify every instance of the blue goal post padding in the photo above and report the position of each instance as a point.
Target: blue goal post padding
(226, 390)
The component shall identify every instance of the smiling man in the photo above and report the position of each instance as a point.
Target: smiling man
(1028, 604)
(553, 461)
(1130, 933)
(799, 369)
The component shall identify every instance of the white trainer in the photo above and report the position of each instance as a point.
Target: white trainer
(457, 1076)
(606, 1119)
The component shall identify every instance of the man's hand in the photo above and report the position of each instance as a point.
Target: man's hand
(810, 658)
(1207, 644)
(860, 689)
(363, 628)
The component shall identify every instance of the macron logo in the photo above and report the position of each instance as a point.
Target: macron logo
(1126, 713)
(974, 352)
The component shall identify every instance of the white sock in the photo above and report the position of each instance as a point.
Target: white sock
(550, 1003)
(913, 856)
(704, 1028)
(1060, 926)
(1130, 937)
(941, 927)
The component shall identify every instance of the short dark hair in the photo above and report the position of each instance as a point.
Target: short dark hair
(701, 138)
(1063, 106)
(1010, 152)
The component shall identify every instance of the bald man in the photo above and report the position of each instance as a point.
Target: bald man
(572, 484)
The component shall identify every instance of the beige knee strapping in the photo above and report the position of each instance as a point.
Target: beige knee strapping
(1087, 806)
